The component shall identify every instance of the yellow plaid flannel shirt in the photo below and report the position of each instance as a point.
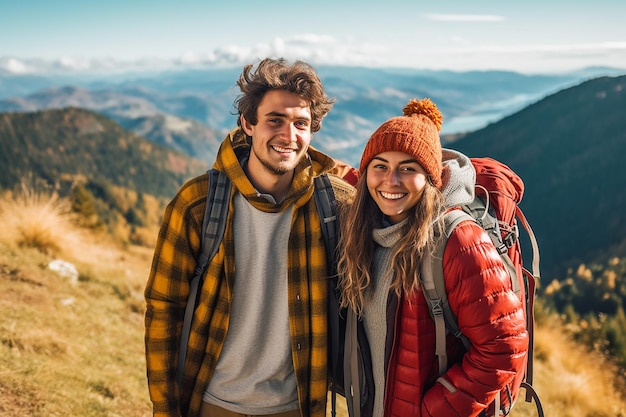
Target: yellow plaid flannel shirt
(176, 251)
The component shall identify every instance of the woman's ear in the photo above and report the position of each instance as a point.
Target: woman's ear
(247, 127)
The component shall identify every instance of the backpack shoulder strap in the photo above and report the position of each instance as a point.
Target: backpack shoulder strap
(347, 337)
(213, 227)
(326, 208)
(533, 242)
(351, 372)
(435, 289)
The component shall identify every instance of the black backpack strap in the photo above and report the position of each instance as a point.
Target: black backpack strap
(326, 208)
(363, 398)
(530, 392)
(351, 371)
(213, 226)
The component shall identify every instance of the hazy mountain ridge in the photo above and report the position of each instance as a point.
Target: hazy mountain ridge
(184, 135)
(135, 109)
(365, 98)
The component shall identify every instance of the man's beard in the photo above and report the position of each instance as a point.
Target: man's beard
(277, 169)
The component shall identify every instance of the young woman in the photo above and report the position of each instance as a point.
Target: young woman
(403, 191)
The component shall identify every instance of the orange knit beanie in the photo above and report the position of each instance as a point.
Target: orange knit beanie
(416, 133)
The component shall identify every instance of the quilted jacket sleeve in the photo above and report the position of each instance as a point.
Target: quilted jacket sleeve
(490, 314)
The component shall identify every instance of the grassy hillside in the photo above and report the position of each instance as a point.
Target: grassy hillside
(67, 146)
(116, 180)
(73, 345)
(69, 345)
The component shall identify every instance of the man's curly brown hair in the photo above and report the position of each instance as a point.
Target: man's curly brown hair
(297, 77)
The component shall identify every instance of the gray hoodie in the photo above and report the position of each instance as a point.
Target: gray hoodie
(459, 177)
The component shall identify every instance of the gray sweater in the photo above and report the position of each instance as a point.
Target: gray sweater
(254, 373)
(375, 308)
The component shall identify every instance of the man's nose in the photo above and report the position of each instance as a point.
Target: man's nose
(292, 132)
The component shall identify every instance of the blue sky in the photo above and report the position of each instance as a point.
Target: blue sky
(529, 36)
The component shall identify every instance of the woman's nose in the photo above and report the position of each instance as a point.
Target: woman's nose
(392, 177)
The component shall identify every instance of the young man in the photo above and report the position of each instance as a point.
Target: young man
(258, 340)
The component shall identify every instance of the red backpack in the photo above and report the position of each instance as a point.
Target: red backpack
(498, 191)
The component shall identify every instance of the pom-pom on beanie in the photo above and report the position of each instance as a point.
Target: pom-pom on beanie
(415, 133)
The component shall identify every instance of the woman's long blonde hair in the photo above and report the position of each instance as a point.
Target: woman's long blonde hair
(359, 219)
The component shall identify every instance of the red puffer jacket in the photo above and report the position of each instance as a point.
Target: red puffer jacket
(489, 313)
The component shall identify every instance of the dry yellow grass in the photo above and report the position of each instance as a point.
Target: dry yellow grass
(37, 219)
(570, 381)
(68, 348)
(76, 349)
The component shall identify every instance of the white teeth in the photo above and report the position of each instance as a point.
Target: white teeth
(391, 196)
(282, 150)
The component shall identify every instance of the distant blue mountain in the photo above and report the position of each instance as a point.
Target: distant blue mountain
(191, 110)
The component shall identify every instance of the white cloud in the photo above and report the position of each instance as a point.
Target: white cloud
(16, 66)
(74, 64)
(318, 49)
(464, 17)
(455, 53)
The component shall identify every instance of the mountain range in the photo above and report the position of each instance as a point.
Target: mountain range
(191, 110)
(566, 146)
